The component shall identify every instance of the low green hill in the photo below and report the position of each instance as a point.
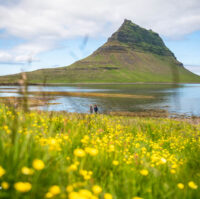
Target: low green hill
(132, 54)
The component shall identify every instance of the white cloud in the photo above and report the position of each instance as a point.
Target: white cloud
(193, 68)
(10, 58)
(43, 23)
(5, 57)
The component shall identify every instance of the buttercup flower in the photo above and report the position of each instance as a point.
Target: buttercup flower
(5, 185)
(55, 190)
(91, 151)
(27, 171)
(180, 186)
(85, 193)
(2, 171)
(96, 189)
(49, 195)
(115, 162)
(144, 172)
(79, 152)
(107, 196)
(38, 164)
(22, 186)
(69, 188)
(192, 185)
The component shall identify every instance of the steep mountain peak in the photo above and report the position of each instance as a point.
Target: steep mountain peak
(138, 38)
(127, 22)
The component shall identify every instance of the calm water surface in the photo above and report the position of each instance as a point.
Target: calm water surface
(180, 99)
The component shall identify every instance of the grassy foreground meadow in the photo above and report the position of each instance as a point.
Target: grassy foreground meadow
(80, 156)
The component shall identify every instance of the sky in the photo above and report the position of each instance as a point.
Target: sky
(38, 34)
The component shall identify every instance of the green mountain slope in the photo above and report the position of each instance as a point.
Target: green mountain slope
(132, 54)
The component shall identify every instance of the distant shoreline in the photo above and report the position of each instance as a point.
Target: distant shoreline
(61, 84)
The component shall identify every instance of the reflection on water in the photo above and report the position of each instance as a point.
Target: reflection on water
(181, 99)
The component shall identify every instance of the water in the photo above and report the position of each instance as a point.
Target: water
(178, 99)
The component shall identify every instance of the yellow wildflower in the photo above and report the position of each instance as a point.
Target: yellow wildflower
(69, 188)
(180, 186)
(86, 174)
(144, 172)
(136, 197)
(55, 190)
(173, 171)
(38, 164)
(85, 139)
(23, 186)
(5, 185)
(49, 195)
(91, 151)
(65, 137)
(115, 162)
(192, 185)
(27, 171)
(72, 167)
(111, 148)
(174, 166)
(86, 177)
(94, 197)
(77, 163)
(74, 195)
(163, 160)
(96, 189)
(107, 196)
(137, 145)
(79, 153)
(2, 171)
(85, 193)
(67, 158)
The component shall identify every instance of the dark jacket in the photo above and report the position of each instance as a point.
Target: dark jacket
(95, 109)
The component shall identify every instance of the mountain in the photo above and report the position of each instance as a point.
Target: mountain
(131, 54)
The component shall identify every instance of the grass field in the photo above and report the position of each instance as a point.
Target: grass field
(80, 156)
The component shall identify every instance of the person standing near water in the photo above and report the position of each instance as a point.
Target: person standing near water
(95, 108)
(91, 109)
